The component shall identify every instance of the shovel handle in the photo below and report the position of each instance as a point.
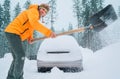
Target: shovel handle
(63, 33)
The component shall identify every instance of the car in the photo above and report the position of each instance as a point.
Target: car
(62, 52)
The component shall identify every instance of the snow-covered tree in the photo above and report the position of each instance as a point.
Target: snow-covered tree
(52, 13)
(90, 7)
(1, 31)
(1, 16)
(6, 15)
(17, 9)
(77, 9)
(84, 9)
(70, 27)
(119, 11)
(6, 20)
(63, 30)
(91, 39)
(52, 28)
(27, 3)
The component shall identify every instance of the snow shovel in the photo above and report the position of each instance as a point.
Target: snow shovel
(103, 18)
(97, 23)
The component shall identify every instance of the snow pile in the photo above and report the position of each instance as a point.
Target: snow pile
(104, 64)
(111, 33)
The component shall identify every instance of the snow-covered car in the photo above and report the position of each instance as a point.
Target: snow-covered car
(62, 52)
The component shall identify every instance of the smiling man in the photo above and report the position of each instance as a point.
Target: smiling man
(22, 28)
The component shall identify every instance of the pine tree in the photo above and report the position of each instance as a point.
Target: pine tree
(100, 4)
(84, 9)
(95, 6)
(52, 14)
(52, 28)
(27, 3)
(63, 30)
(77, 9)
(70, 28)
(6, 8)
(91, 39)
(17, 9)
(119, 11)
(85, 14)
(1, 17)
(1, 32)
(6, 20)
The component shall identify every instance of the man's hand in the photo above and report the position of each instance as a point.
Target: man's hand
(91, 27)
(52, 35)
(30, 41)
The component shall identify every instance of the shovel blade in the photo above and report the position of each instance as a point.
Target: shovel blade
(103, 18)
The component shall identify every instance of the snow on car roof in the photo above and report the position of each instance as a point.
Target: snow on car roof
(61, 43)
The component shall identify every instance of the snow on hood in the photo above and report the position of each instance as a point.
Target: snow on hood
(59, 43)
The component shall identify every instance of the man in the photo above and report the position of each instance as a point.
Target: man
(22, 28)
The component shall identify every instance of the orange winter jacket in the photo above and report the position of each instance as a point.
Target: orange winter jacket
(26, 22)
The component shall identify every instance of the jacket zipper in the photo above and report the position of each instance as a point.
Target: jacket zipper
(25, 22)
(26, 28)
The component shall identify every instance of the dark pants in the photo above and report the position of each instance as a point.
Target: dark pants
(16, 68)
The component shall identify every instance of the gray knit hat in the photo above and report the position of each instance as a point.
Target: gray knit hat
(45, 6)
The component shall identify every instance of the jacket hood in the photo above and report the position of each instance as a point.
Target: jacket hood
(33, 6)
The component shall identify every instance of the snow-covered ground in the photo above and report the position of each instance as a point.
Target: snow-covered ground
(103, 64)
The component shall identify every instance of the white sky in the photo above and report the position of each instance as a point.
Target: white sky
(115, 3)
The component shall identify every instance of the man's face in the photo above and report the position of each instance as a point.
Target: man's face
(43, 12)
